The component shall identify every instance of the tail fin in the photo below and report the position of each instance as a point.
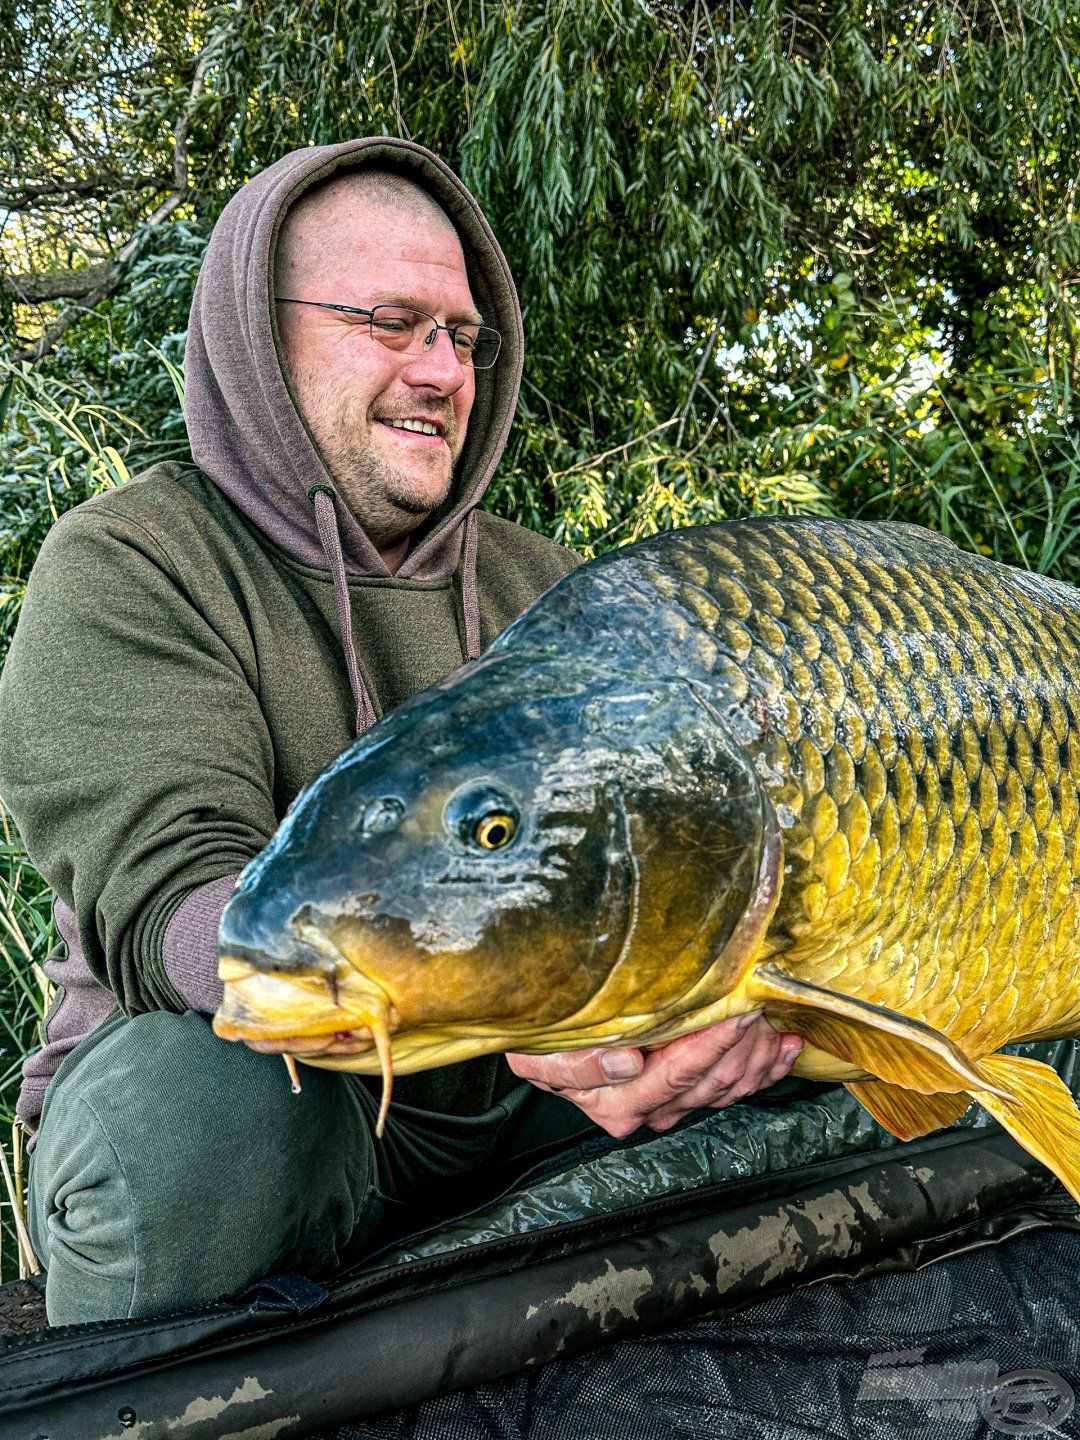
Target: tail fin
(1039, 1111)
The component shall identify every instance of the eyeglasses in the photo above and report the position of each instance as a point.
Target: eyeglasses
(412, 331)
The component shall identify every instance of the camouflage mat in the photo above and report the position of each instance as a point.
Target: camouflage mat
(594, 1252)
(971, 1348)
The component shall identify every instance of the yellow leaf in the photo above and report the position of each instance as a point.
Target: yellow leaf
(123, 474)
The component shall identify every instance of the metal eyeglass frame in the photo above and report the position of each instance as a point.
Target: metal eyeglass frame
(427, 342)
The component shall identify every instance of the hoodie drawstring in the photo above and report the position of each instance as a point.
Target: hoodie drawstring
(470, 599)
(326, 520)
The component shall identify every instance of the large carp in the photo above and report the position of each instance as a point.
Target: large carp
(822, 768)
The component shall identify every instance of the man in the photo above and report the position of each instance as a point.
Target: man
(193, 649)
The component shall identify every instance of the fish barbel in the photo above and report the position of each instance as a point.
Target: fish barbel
(821, 768)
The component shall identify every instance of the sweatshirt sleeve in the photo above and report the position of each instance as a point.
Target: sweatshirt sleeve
(134, 755)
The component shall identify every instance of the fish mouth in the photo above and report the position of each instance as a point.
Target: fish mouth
(309, 1005)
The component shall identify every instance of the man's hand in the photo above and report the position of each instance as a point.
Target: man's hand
(624, 1089)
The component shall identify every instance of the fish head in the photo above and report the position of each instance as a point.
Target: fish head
(525, 857)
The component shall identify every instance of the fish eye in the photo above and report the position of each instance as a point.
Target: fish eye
(494, 831)
(482, 817)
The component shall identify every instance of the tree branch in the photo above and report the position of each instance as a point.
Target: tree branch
(30, 195)
(39, 287)
(697, 380)
(110, 281)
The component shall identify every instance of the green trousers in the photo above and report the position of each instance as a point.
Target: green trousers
(172, 1167)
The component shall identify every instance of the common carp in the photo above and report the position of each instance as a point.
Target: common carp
(821, 768)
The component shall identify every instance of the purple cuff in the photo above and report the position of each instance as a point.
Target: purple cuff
(189, 949)
(84, 1004)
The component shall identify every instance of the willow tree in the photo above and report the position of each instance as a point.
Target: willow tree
(810, 255)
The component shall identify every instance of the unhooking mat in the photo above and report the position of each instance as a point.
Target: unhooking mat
(798, 1185)
(970, 1348)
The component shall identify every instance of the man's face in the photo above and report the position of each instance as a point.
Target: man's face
(350, 388)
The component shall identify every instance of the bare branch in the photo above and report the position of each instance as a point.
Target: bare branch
(111, 282)
(593, 460)
(64, 190)
(697, 380)
(38, 288)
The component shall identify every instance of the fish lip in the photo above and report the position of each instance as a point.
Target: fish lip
(317, 958)
(235, 1019)
(229, 1028)
(263, 962)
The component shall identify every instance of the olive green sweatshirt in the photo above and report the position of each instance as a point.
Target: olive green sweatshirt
(181, 666)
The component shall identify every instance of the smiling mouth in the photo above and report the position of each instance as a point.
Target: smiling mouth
(416, 429)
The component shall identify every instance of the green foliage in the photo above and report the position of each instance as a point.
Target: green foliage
(60, 447)
(662, 176)
(26, 935)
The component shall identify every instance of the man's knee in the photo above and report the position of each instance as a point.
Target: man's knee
(174, 1167)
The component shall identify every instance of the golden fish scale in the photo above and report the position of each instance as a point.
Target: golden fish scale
(922, 749)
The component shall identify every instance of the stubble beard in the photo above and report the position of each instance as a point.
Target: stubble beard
(387, 500)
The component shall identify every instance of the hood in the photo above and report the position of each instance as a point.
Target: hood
(246, 432)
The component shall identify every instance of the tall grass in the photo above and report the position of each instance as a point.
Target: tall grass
(27, 935)
(60, 446)
(1002, 480)
(1027, 515)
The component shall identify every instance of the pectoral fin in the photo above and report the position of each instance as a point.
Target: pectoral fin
(1027, 1097)
(888, 1045)
(1043, 1116)
(905, 1113)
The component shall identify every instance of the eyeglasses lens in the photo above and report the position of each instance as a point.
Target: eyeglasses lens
(401, 329)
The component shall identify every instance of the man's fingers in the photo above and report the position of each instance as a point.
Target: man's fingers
(758, 1061)
(578, 1069)
(715, 1057)
(713, 1067)
(663, 1074)
(669, 1072)
(734, 1073)
(790, 1048)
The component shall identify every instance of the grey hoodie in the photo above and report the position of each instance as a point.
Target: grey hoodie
(216, 633)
